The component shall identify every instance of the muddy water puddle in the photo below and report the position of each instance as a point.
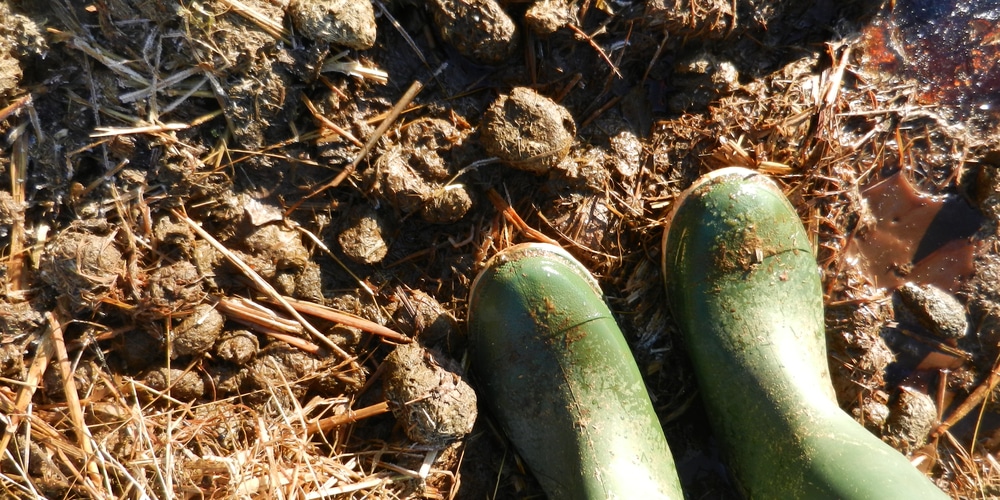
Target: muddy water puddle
(949, 48)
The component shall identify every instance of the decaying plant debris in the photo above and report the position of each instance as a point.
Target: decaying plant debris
(218, 218)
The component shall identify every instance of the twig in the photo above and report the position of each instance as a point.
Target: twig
(977, 396)
(272, 27)
(575, 79)
(596, 47)
(264, 286)
(593, 116)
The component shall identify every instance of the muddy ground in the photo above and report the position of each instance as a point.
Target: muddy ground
(174, 170)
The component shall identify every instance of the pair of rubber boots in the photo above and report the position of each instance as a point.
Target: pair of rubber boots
(744, 288)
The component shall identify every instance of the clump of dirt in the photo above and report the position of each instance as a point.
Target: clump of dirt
(424, 318)
(427, 395)
(527, 131)
(237, 346)
(20, 36)
(912, 417)
(350, 23)
(545, 17)
(196, 333)
(479, 29)
(83, 265)
(283, 366)
(363, 240)
(184, 385)
(172, 288)
(417, 173)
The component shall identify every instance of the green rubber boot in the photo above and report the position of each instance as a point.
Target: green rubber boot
(744, 287)
(556, 372)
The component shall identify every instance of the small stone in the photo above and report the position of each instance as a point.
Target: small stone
(350, 23)
(426, 394)
(935, 309)
(197, 333)
(527, 131)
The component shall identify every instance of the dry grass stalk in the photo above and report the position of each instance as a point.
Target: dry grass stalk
(112, 61)
(73, 400)
(145, 129)
(350, 417)
(16, 279)
(402, 32)
(266, 321)
(35, 372)
(330, 314)
(511, 215)
(270, 26)
(250, 313)
(355, 69)
(329, 124)
(160, 85)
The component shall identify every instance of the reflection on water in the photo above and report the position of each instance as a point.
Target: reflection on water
(950, 48)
